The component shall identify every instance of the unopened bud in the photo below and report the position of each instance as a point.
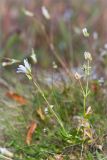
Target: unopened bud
(33, 56)
(87, 56)
(89, 110)
(45, 12)
(9, 62)
(28, 13)
(51, 106)
(77, 76)
(85, 32)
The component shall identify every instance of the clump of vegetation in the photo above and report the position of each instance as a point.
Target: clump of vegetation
(61, 140)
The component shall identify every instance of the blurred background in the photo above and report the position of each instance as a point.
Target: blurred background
(24, 25)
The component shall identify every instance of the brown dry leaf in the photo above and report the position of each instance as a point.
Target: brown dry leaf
(30, 132)
(88, 132)
(41, 114)
(89, 110)
(17, 97)
(100, 147)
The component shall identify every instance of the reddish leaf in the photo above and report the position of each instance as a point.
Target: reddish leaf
(30, 132)
(17, 97)
(94, 87)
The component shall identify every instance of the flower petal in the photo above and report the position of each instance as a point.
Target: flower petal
(27, 65)
(22, 69)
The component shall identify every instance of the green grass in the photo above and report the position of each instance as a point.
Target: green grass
(67, 103)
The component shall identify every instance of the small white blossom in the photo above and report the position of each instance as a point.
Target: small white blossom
(87, 56)
(33, 56)
(85, 32)
(45, 12)
(26, 69)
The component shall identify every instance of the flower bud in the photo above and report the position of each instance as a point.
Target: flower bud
(87, 56)
(9, 62)
(28, 13)
(33, 56)
(77, 76)
(89, 111)
(45, 12)
(85, 32)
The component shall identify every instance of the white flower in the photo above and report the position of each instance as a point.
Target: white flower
(87, 56)
(26, 69)
(45, 12)
(33, 56)
(85, 32)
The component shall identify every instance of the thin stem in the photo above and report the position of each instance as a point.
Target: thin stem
(52, 48)
(88, 72)
(81, 87)
(42, 94)
(82, 149)
(84, 95)
(84, 104)
(87, 83)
